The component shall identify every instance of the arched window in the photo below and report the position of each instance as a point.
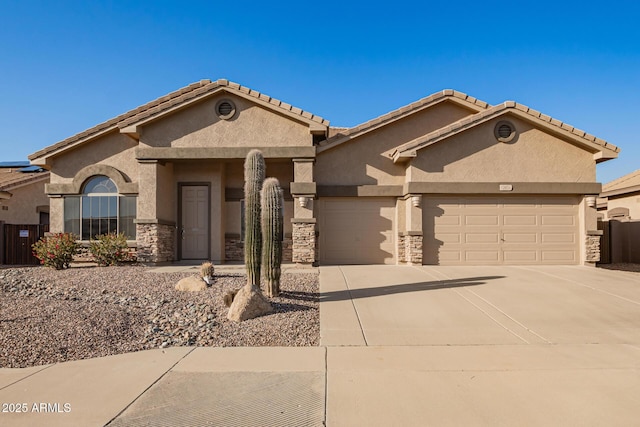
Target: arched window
(100, 210)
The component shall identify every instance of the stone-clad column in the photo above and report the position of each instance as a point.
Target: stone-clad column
(303, 235)
(410, 239)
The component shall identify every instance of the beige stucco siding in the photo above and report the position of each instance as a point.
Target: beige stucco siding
(281, 169)
(631, 202)
(113, 149)
(365, 160)
(23, 204)
(233, 218)
(234, 182)
(199, 126)
(476, 156)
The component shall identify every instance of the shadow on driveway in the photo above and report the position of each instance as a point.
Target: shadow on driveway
(403, 288)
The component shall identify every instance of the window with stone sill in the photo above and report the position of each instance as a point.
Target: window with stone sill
(99, 210)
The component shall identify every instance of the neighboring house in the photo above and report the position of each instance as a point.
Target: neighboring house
(448, 179)
(22, 196)
(620, 198)
(619, 210)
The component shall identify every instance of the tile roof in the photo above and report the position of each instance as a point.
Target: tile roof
(16, 179)
(629, 180)
(169, 101)
(348, 133)
(473, 120)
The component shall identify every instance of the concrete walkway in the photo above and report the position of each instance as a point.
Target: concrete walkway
(400, 346)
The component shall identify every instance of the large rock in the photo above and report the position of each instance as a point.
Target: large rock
(248, 304)
(191, 284)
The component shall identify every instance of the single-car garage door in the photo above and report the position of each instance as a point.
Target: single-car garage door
(356, 230)
(501, 230)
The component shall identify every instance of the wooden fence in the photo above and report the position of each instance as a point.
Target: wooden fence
(620, 241)
(16, 242)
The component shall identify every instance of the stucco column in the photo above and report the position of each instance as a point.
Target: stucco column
(56, 215)
(303, 234)
(155, 225)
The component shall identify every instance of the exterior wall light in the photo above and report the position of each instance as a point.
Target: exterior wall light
(416, 201)
(591, 201)
(303, 200)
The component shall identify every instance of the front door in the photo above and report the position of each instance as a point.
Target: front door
(194, 226)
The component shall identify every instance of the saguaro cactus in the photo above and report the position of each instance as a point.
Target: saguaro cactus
(254, 171)
(272, 223)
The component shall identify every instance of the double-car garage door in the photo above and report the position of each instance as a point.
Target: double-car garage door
(501, 230)
(473, 230)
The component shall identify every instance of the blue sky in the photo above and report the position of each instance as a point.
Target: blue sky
(69, 65)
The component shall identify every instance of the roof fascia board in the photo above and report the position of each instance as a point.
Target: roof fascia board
(621, 191)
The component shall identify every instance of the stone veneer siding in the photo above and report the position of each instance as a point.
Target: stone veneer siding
(592, 246)
(156, 242)
(234, 249)
(401, 248)
(410, 248)
(304, 243)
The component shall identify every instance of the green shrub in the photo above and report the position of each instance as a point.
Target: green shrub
(109, 249)
(56, 250)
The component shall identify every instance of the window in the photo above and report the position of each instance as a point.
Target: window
(99, 210)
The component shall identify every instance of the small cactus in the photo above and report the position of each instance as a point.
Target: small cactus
(254, 172)
(272, 223)
(207, 272)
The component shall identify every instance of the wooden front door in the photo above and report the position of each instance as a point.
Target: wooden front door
(195, 221)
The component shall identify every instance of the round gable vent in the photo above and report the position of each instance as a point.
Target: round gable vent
(505, 131)
(225, 109)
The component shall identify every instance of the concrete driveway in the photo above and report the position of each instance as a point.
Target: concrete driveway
(481, 345)
(401, 346)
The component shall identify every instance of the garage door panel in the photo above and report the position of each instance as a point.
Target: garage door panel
(481, 220)
(482, 238)
(559, 256)
(519, 257)
(448, 237)
(447, 220)
(562, 220)
(483, 256)
(558, 238)
(450, 256)
(519, 220)
(505, 230)
(520, 238)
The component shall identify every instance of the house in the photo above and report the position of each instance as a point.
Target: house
(620, 198)
(22, 195)
(24, 210)
(448, 179)
(619, 212)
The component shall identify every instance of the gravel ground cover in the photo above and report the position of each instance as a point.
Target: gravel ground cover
(49, 316)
